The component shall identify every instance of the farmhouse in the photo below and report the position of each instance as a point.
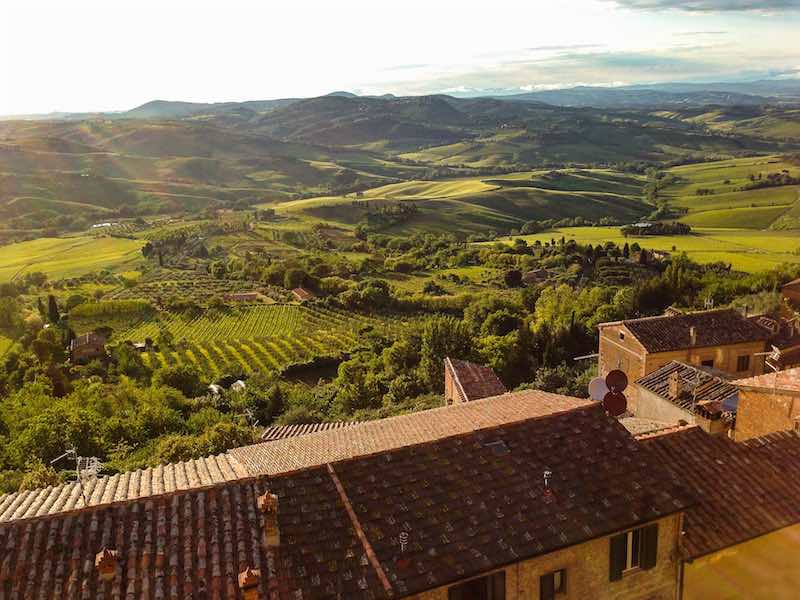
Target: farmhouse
(465, 381)
(87, 347)
(681, 393)
(722, 339)
(502, 506)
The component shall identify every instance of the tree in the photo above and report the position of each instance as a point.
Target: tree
(39, 475)
(294, 278)
(184, 378)
(53, 314)
(513, 278)
(442, 337)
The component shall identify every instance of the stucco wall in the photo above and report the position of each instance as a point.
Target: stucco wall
(588, 572)
(767, 567)
(653, 406)
(763, 412)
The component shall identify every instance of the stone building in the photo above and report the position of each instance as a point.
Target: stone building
(722, 339)
(681, 393)
(742, 537)
(768, 403)
(526, 495)
(87, 347)
(466, 381)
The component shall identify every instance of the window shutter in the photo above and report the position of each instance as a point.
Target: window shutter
(498, 584)
(619, 548)
(547, 587)
(649, 546)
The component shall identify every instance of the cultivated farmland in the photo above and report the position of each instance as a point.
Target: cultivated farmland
(68, 257)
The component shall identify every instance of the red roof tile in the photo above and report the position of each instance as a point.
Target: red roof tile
(474, 381)
(713, 328)
(783, 381)
(743, 490)
(468, 503)
(280, 432)
(370, 437)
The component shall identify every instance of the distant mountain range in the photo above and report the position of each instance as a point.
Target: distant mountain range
(650, 96)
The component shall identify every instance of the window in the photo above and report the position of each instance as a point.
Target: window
(743, 363)
(553, 584)
(708, 363)
(622, 335)
(491, 587)
(634, 549)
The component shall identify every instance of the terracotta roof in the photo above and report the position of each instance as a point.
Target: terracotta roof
(474, 381)
(638, 426)
(122, 487)
(784, 381)
(279, 432)
(792, 284)
(697, 386)
(340, 524)
(292, 454)
(303, 294)
(193, 544)
(743, 490)
(88, 339)
(713, 328)
(473, 503)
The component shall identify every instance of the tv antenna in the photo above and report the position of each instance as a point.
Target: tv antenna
(250, 417)
(85, 466)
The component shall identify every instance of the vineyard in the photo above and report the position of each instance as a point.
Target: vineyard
(190, 285)
(254, 338)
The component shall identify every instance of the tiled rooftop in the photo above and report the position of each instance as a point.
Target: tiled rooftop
(713, 328)
(370, 437)
(697, 385)
(279, 432)
(474, 381)
(123, 487)
(784, 381)
(743, 490)
(340, 524)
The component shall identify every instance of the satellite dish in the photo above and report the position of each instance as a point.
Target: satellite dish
(598, 388)
(617, 381)
(615, 403)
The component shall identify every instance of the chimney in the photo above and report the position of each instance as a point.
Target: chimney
(106, 563)
(692, 335)
(249, 581)
(675, 387)
(268, 505)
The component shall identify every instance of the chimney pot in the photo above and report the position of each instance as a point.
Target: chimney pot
(674, 385)
(693, 335)
(268, 505)
(106, 563)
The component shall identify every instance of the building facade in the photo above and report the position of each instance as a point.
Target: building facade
(768, 403)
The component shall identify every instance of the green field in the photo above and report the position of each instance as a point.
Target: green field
(68, 257)
(256, 338)
(746, 250)
(478, 204)
(728, 205)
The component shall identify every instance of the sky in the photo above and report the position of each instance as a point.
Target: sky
(103, 55)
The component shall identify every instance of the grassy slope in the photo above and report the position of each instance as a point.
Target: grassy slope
(746, 250)
(68, 257)
(468, 205)
(727, 207)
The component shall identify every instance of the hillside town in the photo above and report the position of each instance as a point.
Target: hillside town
(689, 492)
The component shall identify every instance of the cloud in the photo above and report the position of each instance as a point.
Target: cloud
(692, 33)
(712, 5)
(406, 67)
(559, 48)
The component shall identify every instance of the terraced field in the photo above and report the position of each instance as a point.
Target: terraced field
(68, 257)
(254, 338)
(183, 284)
